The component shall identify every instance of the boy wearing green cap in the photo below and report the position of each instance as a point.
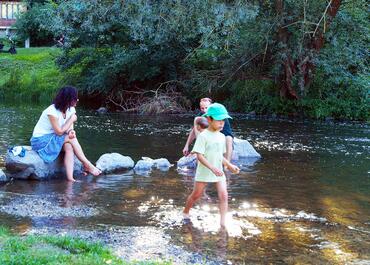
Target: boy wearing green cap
(210, 148)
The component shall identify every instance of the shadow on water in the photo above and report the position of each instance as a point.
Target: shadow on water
(306, 201)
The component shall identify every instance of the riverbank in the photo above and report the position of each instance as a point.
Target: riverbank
(30, 75)
(52, 249)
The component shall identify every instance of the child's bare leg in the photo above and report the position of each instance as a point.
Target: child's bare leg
(194, 196)
(68, 160)
(223, 198)
(229, 148)
(81, 156)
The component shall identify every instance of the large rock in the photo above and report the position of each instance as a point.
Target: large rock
(31, 166)
(113, 162)
(242, 148)
(3, 177)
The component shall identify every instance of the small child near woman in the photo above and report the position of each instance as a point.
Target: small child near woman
(210, 147)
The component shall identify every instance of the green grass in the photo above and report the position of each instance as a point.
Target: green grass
(37, 250)
(30, 75)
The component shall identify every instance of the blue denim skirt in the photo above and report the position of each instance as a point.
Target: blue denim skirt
(48, 146)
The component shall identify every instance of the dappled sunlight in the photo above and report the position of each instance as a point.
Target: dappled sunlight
(340, 209)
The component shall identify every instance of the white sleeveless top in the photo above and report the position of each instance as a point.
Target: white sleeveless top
(43, 126)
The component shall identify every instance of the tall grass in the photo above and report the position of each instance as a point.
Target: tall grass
(30, 75)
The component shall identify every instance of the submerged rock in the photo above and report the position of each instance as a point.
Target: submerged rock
(146, 164)
(114, 162)
(3, 177)
(31, 166)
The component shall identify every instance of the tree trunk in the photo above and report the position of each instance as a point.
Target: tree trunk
(303, 66)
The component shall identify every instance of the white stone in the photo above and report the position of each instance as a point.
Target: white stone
(146, 164)
(114, 162)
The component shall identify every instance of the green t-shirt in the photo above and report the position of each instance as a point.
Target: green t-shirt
(213, 146)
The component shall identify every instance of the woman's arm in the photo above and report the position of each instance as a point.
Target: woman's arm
(205, 162)
(190, 139)
(66, 126)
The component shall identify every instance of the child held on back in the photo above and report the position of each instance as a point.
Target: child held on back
(203, 105)
(210, 147)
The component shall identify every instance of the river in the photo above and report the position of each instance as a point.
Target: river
(305, 202)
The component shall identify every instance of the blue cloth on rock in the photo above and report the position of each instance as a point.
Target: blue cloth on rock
(48, 146)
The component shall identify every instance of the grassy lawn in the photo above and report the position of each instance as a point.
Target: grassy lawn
(35, 250)
(31, 74)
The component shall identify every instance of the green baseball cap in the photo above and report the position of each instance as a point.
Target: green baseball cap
(217, 111)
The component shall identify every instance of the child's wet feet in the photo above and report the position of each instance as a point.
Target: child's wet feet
(186, 221)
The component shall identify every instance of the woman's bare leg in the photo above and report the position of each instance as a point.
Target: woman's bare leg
(81, 156)
(68, 160)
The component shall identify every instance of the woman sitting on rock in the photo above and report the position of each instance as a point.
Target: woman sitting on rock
(54, 131)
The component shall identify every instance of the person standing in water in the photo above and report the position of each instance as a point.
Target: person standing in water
(210, 147)
(54, 131)
(226, 130)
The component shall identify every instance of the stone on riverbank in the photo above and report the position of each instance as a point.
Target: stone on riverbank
(114, 162)
(31, 166)
(146, 164)
(3, 177)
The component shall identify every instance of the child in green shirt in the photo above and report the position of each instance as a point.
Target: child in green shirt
(210, 147)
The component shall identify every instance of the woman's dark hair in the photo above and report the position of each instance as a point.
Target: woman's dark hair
(65, 98)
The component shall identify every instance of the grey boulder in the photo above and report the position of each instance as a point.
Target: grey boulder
(31, 166)
(187, 162)
(112, 162)
(146, 164)
(242, 148)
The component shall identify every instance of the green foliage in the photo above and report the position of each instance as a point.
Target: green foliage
(31, 75)
(206, 47)
(141, 43)
(37, 23)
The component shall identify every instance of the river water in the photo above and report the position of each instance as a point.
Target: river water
(305, 202)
